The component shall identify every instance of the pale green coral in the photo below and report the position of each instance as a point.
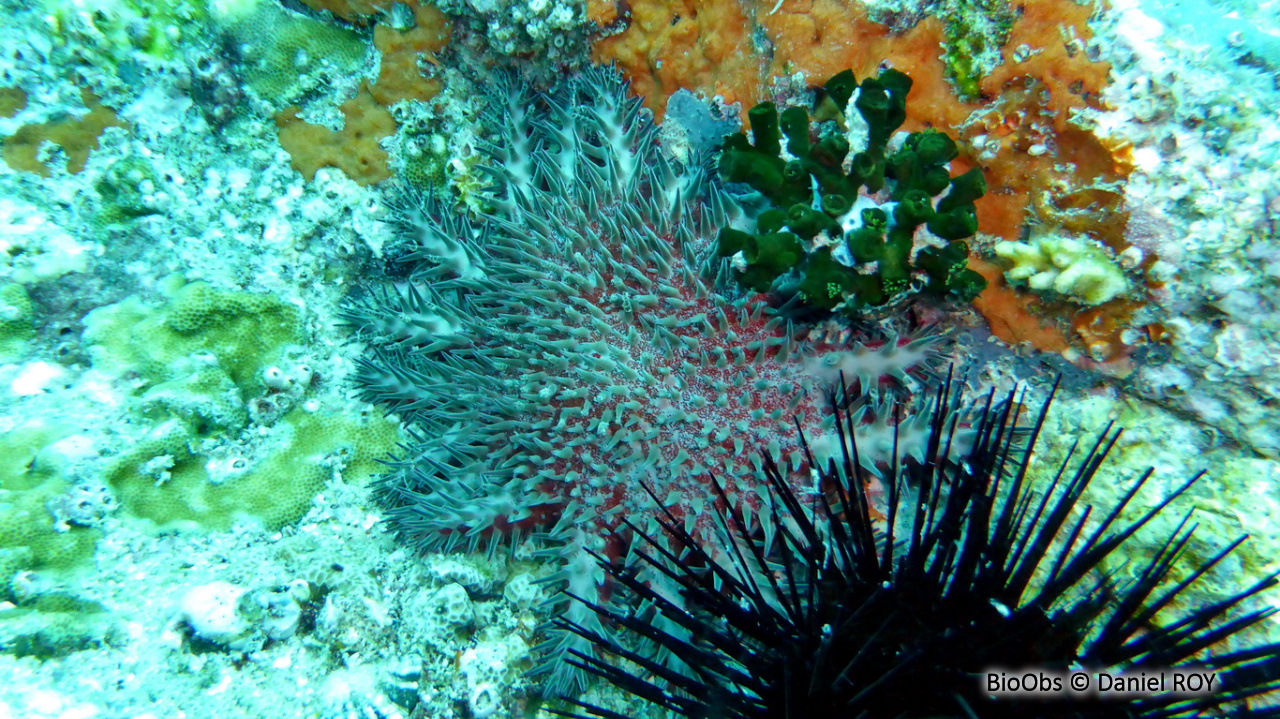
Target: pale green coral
(16, 322)
(199, 359)
(243, 331)
(115, 27)
(425, 159)
(28, 539)
(283, 53)
(169, 479)
(1233, 498)
(1079, 269)
(204, 398)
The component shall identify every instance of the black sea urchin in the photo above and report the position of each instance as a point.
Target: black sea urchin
(973, 572)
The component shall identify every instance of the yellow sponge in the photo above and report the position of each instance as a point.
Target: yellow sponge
(1079, 269)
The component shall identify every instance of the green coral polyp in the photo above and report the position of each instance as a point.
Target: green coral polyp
(869, 214)
(865, 242)
(807, 223)
(958, 224)
(826, 282)
(914, 208)
(768, 255)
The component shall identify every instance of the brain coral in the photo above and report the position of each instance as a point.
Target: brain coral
(580, 340)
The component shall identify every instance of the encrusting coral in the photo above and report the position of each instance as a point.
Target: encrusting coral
(283, 54)
(582, 337)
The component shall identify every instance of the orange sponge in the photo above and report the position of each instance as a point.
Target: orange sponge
(77, 136)
(350, 10)
(1020, 132)
(400, 76)
(354, 149)
(1048, 42)
(690, 44)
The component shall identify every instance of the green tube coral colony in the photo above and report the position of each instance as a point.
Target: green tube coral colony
(856, 218)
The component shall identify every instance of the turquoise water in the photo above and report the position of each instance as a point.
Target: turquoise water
(333, 340)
